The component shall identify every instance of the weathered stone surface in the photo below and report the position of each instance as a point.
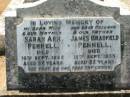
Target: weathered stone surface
(17, 78)
(68, 44)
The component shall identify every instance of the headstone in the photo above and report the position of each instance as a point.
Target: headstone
(68, 45)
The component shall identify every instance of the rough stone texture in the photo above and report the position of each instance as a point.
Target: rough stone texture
(57, 82)
(125, 67)
(11, 53)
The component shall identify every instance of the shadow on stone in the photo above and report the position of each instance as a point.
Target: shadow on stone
(2, 45)
(66, 82)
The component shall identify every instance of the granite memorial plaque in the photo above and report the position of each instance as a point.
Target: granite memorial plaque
(67, 45)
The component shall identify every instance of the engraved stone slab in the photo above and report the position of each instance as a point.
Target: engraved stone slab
(80, 44)
(67, 45)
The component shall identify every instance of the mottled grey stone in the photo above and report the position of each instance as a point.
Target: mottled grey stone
(85, 81)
